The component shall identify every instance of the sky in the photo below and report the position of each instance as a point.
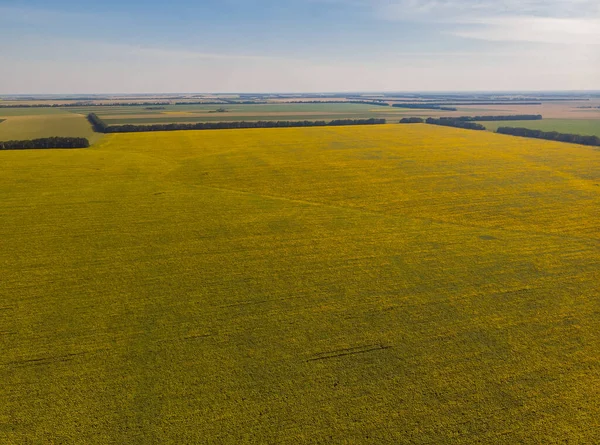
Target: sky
(265, 46)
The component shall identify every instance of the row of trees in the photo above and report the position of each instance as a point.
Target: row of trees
(258, 102)
(54, 142)
(514, 117)
(412, 120)
(455, 103)
(225, 102)
(551, 135)
(221, 102)
(455, 123)
(425, 107)
(100, 126)
(469, 103)
(364, 102)
(84, 104)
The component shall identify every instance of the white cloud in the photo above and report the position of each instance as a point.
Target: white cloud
(47, 64)
(469, 10)
(541, 21)
(535, 29)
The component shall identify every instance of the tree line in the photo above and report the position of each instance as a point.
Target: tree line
(84, 104)
(551, 135)
(222, 102)
(53, 142)
(364, 102)
(514, 117)
(425, 107)
(454, 103)
(100, 126)
(412, 120)
(455, 123)
(504, 102)
(225, 102)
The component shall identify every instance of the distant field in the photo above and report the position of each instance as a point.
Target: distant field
(254, 109)
(395, 284)
(40, 126)
(576, 126)
(202, 113)
(139, 115)
(226, 117)
(7, 112)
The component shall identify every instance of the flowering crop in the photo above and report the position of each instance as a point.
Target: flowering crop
(388, 284)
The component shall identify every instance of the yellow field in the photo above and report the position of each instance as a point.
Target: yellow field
(402, 284)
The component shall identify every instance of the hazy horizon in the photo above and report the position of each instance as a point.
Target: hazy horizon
(299, 46)
(323, 93)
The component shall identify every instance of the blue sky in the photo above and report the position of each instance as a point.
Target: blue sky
(134, 46)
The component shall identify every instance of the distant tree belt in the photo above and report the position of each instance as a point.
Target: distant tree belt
(550, 135)
(455, 123)
(225, 102)
(363, 102)
(246, 102)
(84, 104)
(425, 107)
(444, 104)
(100, 126)
(412, 120)
(514, 117)
(54, 142)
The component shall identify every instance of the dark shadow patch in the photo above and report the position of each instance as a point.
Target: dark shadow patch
(488, 237)
(48, 360)
(347, 351)
(197, 336)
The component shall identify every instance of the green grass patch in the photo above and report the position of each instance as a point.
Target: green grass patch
(389, 284)
(43, 126)
(8, 112)
(586, 127)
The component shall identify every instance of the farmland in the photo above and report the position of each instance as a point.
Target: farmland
(138, 115)
(28, 123)
(268, 112)
(63, 117)
(389, 284)
(574, 126)
(40, 123)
